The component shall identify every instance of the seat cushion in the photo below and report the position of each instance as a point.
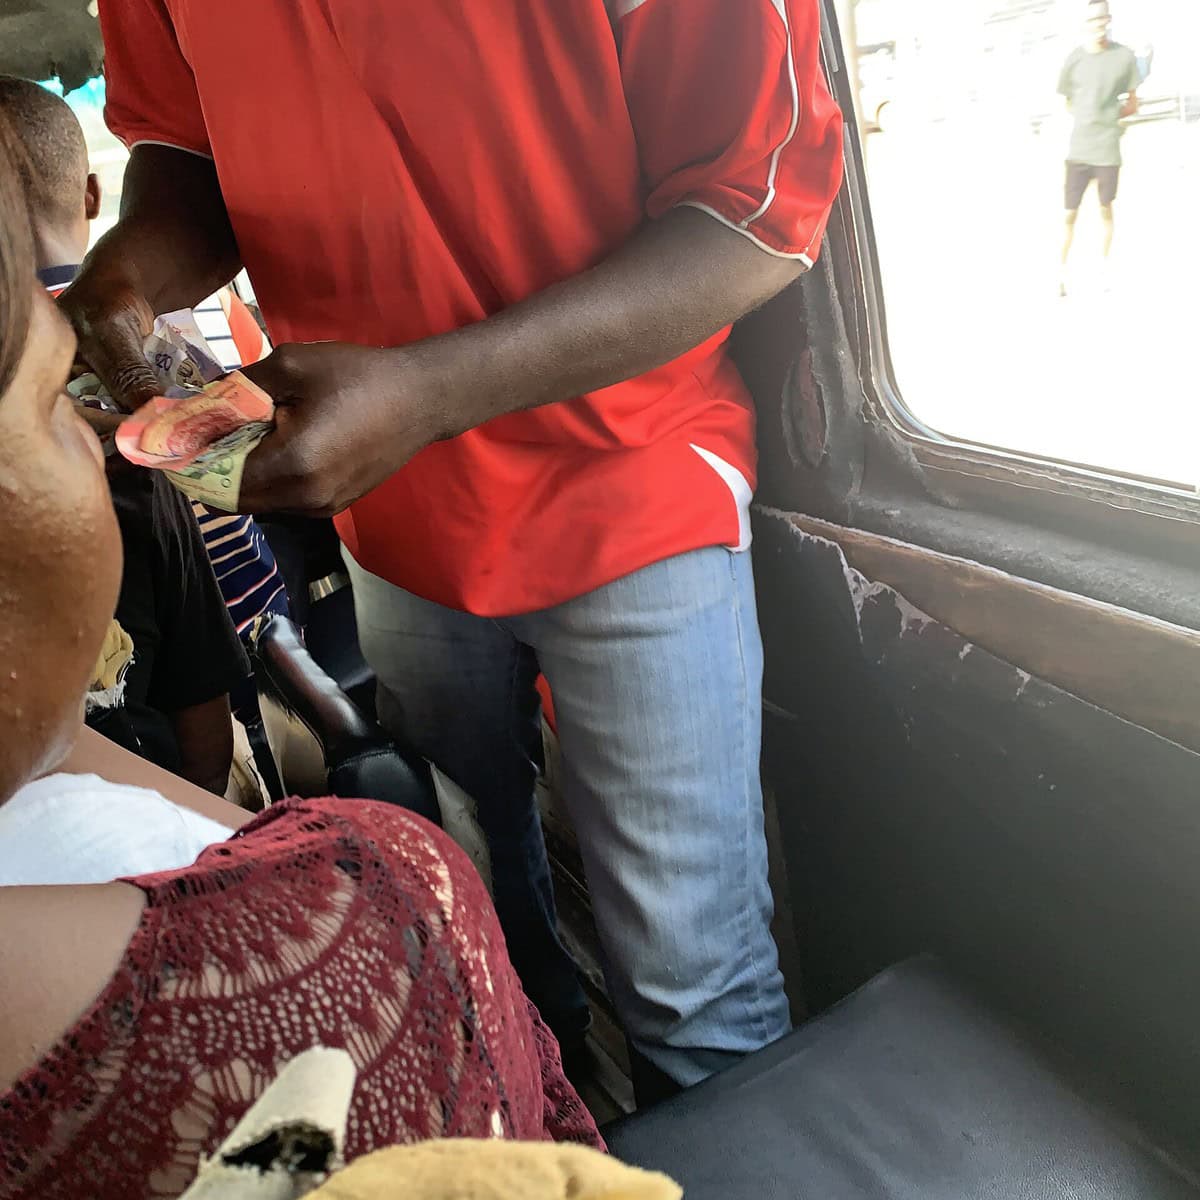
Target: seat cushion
(908, 1090)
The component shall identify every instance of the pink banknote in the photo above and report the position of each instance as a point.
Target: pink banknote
(172, 434)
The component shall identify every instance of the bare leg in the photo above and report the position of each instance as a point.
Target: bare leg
(1106, 218)
(1068, 242)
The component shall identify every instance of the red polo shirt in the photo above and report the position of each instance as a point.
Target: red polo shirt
(400, 168)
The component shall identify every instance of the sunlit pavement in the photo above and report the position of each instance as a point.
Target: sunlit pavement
(969, 225)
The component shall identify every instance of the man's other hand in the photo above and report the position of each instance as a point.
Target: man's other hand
(346, 418)
(112, 319)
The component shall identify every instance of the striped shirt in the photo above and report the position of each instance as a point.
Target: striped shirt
(237, 548)
(244, 566)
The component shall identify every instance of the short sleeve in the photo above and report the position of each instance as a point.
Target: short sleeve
(1064, 77)
(79, 829)
(733, 116)
(150, 90)
(196, 831)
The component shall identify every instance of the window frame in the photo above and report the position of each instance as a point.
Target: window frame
(1102, 504)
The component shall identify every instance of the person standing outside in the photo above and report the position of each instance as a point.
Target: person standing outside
(499, 246)
(1099, 81)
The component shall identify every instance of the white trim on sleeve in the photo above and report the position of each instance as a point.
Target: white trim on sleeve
(622, 8)
(773, 173)
(169, 146)
(739, 227)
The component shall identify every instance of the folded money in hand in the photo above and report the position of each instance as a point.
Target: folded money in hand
(204, 423)
(174, 432)
(201, 438)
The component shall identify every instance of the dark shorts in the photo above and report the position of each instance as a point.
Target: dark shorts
(1079, 175)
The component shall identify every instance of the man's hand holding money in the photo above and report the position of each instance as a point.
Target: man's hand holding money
(346, 418)
(112, 320)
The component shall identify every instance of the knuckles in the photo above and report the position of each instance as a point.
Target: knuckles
(285, 359)
(300, 473)
(133, 383)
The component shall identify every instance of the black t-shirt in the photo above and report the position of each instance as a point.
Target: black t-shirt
(186, 649)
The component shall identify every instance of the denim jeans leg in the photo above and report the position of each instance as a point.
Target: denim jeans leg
(460, 691)
(657, 687)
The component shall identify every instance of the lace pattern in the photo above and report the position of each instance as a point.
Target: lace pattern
(341, 923)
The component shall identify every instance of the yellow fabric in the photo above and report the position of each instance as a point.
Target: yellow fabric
(474, 1170)
(115, 656)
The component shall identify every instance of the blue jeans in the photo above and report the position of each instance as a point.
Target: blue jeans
(656, 681)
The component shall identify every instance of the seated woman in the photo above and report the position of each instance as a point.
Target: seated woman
(139, 1019)
(194, 581)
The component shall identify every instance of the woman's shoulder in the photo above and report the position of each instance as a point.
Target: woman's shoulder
(311, 885)
(71, 945)
(300, 871)
(304, 874)
(74, 791)
(306, 826)
(307, 846)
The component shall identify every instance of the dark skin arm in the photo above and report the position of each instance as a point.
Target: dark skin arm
(172, 247)
(350, 416)
(204, 734)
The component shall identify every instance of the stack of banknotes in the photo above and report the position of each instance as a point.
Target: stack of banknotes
(201, 428)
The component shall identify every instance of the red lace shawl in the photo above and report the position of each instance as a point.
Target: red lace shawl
(341, 923)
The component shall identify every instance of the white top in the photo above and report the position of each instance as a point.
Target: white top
(83, 829)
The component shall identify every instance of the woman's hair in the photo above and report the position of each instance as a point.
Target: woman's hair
(17, 274)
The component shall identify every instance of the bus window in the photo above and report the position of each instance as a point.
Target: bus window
(984, 123)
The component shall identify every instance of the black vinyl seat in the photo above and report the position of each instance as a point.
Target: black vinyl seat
(331, 636)
(319, 742)
(309, 556)
(907, 1090)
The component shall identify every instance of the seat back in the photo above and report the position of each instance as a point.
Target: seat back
(320, 741)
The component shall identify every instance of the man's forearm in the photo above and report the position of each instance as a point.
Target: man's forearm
(349, 417)
(172, 247)
(677, 282)
(173, 242)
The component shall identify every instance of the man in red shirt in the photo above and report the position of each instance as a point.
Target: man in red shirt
(499, 245)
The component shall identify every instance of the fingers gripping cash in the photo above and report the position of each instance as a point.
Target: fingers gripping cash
(200, 440)
(205, 423)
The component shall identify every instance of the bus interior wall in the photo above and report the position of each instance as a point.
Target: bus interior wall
(933, 795)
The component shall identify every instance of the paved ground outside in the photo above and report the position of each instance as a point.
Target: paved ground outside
(968, 217)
